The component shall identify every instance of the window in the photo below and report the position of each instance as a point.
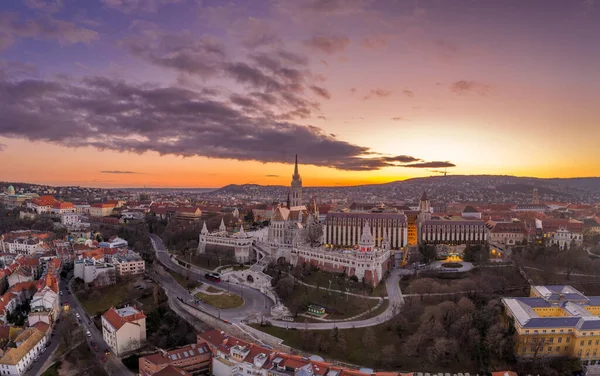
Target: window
(549, 348)
(559, 339)
(568, 339)
(582, 343)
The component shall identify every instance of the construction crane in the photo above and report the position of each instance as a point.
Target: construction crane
(404, 262)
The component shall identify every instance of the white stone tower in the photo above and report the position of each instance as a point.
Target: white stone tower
(367, 241)
(296, 188)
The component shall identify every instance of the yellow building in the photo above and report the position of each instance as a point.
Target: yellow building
(556, 320)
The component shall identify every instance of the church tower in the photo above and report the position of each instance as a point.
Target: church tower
(296, 189)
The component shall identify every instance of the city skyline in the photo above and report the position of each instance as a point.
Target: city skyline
(176, 93)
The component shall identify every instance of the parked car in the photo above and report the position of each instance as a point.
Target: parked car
(87, 333)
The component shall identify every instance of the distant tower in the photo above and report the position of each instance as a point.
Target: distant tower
(424, 205)
(536, 199)
(296, 189)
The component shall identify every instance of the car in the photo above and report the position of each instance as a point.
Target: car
(87, 333)
(77, 315)
(107, 352)
(215, 277)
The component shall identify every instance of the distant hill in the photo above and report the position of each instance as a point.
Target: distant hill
(462, 188)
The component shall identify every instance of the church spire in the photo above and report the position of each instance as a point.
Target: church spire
(296, 176)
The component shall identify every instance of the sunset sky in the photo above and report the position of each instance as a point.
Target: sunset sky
(201, 93)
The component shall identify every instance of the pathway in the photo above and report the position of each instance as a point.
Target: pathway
(396, 299)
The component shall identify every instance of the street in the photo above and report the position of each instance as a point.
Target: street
(254, 300)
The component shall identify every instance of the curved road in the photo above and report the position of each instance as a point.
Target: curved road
(254, 300)
(395, 301)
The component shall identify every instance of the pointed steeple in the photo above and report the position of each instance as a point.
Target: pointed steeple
(222, 226)
(204, 229)
(367, 242)
(296, 168)
(241, 233)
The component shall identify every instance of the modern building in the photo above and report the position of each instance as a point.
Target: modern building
(128, 263)
(453, 231)
(124, 329)
(96, 271)
(556, 320)
(344, 230)
(194, 359)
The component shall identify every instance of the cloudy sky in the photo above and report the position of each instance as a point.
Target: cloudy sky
(202, 93)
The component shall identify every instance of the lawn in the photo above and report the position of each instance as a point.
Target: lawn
(213, 290)
(338, 305)
(341, 282)
(101, 299)
(222, 301)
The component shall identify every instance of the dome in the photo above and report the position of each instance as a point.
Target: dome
(11, 190)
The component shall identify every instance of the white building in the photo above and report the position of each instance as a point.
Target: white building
(344, 229)
(114, 242)
(70, 219)
(25, 245)
(45, 306)
(450, 231)
(124, 329)
(564, 238)
(30, 344)
(96, 271)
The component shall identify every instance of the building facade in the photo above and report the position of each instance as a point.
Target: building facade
(124, 329)
(128, 264)
(453, 232)
(556, 321)
(344, 229)
(366, 261)
(194, 358)
(101, 210)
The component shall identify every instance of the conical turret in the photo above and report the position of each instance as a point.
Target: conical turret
(222, 226)
(367, 242)
(204, 230)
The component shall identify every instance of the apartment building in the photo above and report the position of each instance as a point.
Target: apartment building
(556, 320)
(128, 263)
(124, 329)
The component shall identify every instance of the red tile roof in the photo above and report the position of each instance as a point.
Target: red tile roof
(63, 205)
(172, 371)
(117, 321)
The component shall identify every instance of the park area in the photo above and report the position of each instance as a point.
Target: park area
(302, 286)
